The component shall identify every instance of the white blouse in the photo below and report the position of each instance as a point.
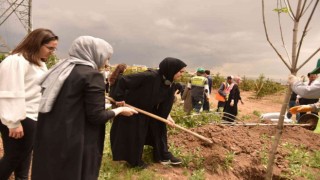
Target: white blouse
(19, 90)
(306, 91)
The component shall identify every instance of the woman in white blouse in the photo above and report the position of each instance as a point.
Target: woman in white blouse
(19, 99)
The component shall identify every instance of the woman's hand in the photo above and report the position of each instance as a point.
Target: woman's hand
(241, 101)
(120, 103)
(170, 121)
(292, 79)
(17, 132)
(127, 111)
(231, 103)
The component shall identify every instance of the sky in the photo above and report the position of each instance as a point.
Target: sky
(226, 37)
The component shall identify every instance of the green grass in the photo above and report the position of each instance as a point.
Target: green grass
(256, 113)
(228, 160)
(198, 175)
(300, 162)
(119, 170)
(264, 154)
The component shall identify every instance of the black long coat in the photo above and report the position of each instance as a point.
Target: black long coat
(128, 135)
(232, 111)
(69, 139)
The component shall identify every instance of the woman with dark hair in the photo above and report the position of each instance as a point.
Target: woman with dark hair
(71, 128)
(114, 77)
(152, 91)
(19, 100)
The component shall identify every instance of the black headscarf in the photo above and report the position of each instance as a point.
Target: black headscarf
(170, 66)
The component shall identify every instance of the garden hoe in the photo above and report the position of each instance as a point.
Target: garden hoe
(163, 120)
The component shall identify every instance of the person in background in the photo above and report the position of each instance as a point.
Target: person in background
(199, 89)
(307, 91)
(187, 100)
(71, 128)
(19, 100)
(223, 93)
(114, 78)
(206, 103)
(303, 101)
(180, 88)
(230, 110)
(106, 76)
(152, 91)
(293, 102)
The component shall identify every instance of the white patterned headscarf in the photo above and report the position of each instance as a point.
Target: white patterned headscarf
(85, 50)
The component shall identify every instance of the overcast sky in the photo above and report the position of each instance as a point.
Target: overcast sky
(226, 36)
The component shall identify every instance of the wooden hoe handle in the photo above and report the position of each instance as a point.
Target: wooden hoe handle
(163, 120)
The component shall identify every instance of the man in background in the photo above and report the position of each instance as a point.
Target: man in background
(223, 93)
(206, 104)
(304, 101)
(199, 89)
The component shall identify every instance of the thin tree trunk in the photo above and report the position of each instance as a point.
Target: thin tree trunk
(293, 70)
(272, 153)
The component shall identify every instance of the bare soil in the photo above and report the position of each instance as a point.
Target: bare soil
(245, 143)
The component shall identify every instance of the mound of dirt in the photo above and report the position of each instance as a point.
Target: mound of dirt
(245, 145)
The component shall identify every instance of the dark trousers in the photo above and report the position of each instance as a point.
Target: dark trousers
(206, 105)
(197, 104)
(303, 101)
(292, 103)
(17, 152)
(160, 141)
(220, 106)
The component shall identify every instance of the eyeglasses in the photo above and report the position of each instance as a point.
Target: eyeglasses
(52, 49)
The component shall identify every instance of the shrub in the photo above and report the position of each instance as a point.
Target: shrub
(2, 56)
(217, 80)
(52, 60)
(246, 84)
(261, 86)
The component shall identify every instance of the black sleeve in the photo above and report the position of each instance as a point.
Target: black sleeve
(165, 107)
(235, 93)
(129, 82)
(94, 98)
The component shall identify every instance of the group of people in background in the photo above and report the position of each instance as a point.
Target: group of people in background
(196, 95)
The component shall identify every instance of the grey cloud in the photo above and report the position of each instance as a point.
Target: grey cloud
(226, 36)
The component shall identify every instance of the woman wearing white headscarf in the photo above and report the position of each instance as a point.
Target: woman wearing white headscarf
(231, 107)
(71, 125)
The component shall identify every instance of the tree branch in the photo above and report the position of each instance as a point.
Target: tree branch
(303, 8)
(281, 34)
(311, 56)
(295, 37)
(307, 8)
(305, 28)
(267, 36)
(293, 17)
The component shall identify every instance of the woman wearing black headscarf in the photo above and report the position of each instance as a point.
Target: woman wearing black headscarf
(152, 91)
